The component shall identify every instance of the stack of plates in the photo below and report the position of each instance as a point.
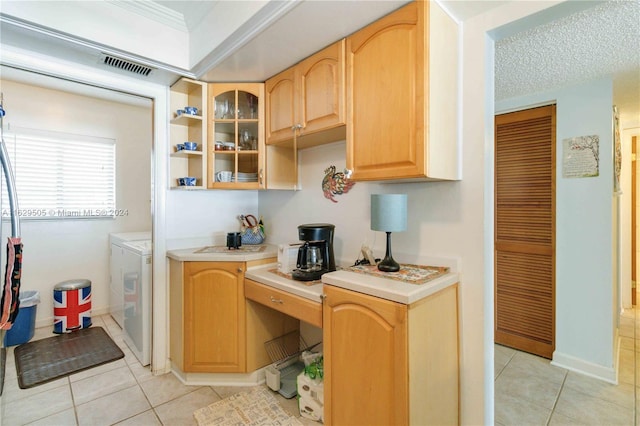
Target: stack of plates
(247, 177)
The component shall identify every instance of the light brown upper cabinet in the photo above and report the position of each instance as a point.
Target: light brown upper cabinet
(307, 101)
(402, 89)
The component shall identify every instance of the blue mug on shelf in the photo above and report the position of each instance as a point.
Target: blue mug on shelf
(190, 110)
(190, 146)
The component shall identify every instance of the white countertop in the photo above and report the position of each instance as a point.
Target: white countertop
(239, 255)
(262, 275)
(389, 289)
(385, 288)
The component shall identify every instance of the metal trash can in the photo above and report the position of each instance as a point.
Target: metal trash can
(71, 305)
(24, 326)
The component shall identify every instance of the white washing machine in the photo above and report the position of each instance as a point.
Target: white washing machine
(116, 286)
(137, 283)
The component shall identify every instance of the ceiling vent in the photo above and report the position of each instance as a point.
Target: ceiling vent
(126, 65)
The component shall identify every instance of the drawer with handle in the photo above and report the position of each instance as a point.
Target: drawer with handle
(290, 304)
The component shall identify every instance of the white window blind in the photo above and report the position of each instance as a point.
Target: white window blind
(60, 175)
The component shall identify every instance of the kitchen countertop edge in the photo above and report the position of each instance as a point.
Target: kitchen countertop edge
(262, 275)
(389, 289)
(190, 255)
(396, 291)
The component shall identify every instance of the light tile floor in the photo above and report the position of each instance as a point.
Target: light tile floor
(121, 392)
(530, 391)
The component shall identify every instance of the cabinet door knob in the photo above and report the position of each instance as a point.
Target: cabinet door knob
(260, 175)
(239, 269)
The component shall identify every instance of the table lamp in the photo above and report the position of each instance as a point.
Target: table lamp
(388, 214)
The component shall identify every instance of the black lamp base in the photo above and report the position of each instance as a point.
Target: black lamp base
(388, 264)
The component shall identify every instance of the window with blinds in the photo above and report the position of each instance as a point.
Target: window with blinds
(60, 175)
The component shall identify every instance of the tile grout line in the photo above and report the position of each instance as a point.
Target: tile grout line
(504, 366)
(555, 403)
(73, 401)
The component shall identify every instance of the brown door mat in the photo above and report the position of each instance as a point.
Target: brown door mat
(42, 361)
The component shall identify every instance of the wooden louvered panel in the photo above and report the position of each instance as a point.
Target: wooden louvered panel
(525, 230)
(534, 320)
(524, 224)
(524, 271)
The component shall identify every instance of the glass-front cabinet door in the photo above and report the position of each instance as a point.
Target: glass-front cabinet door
(236, 136)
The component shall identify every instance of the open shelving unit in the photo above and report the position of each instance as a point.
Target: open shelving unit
(187, 127)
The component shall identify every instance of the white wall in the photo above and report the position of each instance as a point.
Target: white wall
(283, 211)
(204, 217)
(58, 250)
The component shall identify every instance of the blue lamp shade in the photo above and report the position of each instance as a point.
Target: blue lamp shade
(389, 212)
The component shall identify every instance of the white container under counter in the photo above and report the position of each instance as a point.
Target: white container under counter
(395, 290)
(263, 274)
(196, 254)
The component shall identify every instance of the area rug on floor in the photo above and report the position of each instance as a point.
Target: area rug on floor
(255, 407)
(42, 361)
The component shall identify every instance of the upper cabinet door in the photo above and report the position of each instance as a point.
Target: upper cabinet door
(322, 91)
(307, 101)
(280, 93)
(401, 96)
(385, 79)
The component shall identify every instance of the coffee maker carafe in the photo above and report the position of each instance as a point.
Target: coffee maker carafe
(315, 256)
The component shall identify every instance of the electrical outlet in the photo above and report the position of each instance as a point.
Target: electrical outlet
(368, 254)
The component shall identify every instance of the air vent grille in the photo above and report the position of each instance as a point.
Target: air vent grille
(126, 65)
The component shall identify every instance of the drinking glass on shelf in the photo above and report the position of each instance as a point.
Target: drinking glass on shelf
(230, 109)
(252, 101)
(222, 109)
(246, 139)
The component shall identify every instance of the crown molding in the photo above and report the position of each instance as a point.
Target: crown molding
(153, 10)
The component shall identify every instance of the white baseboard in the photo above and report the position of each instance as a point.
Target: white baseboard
(219, 379)
(607, 374)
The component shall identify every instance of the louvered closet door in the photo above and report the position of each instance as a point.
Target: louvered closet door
(525, 230)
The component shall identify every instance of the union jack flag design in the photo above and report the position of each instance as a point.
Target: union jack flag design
(71, 310)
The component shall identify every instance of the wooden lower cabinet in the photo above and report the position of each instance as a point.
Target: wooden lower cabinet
(388, 363)
(213, 329)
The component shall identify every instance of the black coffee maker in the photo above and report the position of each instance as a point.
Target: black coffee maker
(315, 256)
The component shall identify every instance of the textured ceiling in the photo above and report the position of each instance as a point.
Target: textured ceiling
(600, 41)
